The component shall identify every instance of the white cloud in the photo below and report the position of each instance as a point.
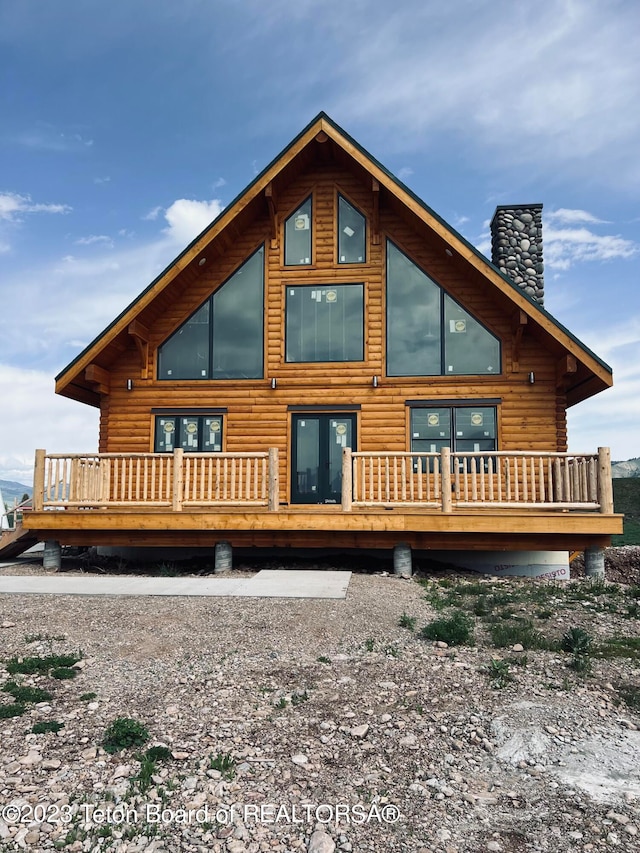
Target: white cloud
(35, 417)
(566, 216)
(104, 180)
(48, 138)
(13, 205)
(564, 247)
(93, 239)
(217, 184)
(405, 172)
(153, 214)
(187, 218)
(4, 247)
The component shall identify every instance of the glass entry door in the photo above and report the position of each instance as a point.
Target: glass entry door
(318, 440)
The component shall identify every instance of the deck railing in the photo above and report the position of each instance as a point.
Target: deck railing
(506, 479)
(155, 480)
(444, 480)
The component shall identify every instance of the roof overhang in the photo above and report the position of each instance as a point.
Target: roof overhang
(83, 379)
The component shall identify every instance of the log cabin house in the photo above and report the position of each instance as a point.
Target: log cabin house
(329, 364)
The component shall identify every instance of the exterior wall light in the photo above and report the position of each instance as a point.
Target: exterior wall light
(202, 262)
(274, 382)
(532, 378)
(374, 382)
(129, 384)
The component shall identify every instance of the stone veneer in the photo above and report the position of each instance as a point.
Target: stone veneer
(516, 246)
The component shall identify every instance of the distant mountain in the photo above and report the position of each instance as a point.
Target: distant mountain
(630, 468)
(13, 491)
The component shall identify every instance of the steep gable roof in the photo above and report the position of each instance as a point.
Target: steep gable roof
(80, 378)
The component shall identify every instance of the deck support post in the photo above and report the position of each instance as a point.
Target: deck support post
(402, 560)
(52, 557)
(445, 473)
(347, 479)
(594, 562)
(274, 481)
(224, 557)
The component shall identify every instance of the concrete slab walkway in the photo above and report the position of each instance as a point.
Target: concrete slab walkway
(265, 584)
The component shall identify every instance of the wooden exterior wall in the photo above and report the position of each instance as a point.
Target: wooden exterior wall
(530, 416)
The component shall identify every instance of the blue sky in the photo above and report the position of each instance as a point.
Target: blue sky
(125, 127)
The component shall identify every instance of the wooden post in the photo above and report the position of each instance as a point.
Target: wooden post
(445, 469)
(274, 479)
(347, 479)
(605, 485)
(38, 481)
(178, 478)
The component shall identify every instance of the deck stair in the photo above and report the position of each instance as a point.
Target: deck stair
(17, 541)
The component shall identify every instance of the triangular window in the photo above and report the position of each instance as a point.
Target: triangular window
(224, 338)
(428, 332)
(352, 234)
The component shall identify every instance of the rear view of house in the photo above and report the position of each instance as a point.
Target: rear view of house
(329, 364)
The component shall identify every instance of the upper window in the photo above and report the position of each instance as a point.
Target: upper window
(428, 332)
(325, 323)
(297, 236)
(224, 338)
(352, 232)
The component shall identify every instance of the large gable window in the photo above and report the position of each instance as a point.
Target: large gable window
(352, 232)
(428, 332)
(224, 338)
(297, 236)
(325, 323)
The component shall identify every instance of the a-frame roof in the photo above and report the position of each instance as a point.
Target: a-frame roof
(79, 379)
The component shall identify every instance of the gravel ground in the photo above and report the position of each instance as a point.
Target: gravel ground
(316, 725)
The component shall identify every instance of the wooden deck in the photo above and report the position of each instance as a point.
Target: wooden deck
(491, 501)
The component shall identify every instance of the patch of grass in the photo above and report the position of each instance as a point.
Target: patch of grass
(158, 753)
(370, 644)
(224, 764)
(40, 665)
(299, 698)
(124, 733)
(22, 693)
(499, 673)
(323, 659)
(143, 779)
(630, 695)
(15, 709)
(48, 638)
(506, 634)
(87, 697)
(619, 647)
(44, 727)
(391, 651)
(406, 621)
(457, 630)
(63, 673)
(281, 703)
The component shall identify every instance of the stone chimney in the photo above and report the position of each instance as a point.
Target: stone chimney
(516, 246)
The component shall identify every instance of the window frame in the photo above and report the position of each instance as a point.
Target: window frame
(324, 287)
(443, 295)
(308, 198)
(178, 415)
(453, 406)
(211, 377)
(343, 196)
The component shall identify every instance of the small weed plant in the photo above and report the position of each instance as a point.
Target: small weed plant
(124, 733)
(499, 673)
(23, 693)
(224, 764)
(457, 630)
(408, 622)
(45, 727)
(15, 709)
